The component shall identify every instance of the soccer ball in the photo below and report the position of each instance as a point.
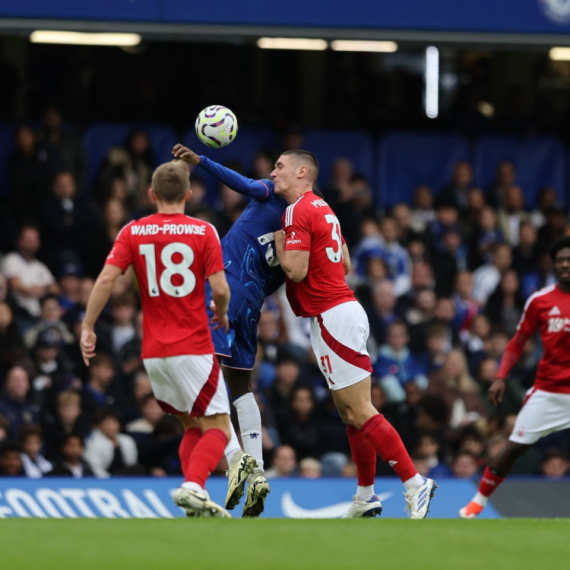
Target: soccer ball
(216, 126)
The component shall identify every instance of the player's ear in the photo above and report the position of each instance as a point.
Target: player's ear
(153, 195)
(188, 196)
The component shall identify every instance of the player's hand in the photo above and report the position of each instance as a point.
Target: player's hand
(218, 321)
(184, 153)
(87, 343)
(496, 391)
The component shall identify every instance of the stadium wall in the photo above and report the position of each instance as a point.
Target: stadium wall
(290, 498)
(511, 16)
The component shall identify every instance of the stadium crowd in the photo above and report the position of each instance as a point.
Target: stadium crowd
(443, 281)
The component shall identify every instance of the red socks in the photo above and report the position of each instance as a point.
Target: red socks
(206, 456)
(189, 440)
(364, 455)
(489, 482)
(388, 444)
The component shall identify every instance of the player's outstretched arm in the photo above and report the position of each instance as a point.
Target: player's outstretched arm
(97, 301)
(221, 299)
(259, 189)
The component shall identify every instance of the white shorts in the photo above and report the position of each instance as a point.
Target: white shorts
(338, 338)
(542, 413)
(191, 384)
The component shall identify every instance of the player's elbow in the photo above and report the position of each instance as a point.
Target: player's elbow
(221, 292)
(297, 274)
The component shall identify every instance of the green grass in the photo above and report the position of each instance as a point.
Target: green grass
(205, 544)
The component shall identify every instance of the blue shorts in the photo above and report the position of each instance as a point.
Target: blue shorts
(239, 345)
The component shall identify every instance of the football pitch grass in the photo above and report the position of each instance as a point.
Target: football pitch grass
(267, 544)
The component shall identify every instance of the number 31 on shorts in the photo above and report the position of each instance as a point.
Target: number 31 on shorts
(326, 364)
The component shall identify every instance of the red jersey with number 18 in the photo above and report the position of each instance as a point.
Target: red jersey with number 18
(310, 225)
(172, 255)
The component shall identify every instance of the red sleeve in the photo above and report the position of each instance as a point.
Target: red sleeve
(297, 225)
(121, 254)
(213, 257)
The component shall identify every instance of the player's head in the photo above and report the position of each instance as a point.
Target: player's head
(560, 254)
(171, 183)
(295, 169)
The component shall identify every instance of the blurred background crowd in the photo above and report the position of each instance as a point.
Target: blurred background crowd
(443, 279)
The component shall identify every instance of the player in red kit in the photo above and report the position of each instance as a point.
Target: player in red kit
(546, 407)
(173, 255)
(315, 259)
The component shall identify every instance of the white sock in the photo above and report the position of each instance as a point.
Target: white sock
(233, 445)
(194, 487)
(250, 426)
(364, 493)
(480, 499)
(414, 483)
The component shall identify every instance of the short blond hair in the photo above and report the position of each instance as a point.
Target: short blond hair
(171, 181)
(68, 397)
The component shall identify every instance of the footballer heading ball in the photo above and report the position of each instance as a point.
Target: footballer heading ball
(216, 126)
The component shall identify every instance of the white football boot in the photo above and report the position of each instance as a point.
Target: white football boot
(241, 466)
(418, 500)
(364, 509)
(198, 504)
(257, 491)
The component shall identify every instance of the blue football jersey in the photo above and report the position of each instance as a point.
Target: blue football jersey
(250, 260)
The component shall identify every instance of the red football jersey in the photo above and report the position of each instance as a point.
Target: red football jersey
(172, 255)
(549, 311)
(310, 225)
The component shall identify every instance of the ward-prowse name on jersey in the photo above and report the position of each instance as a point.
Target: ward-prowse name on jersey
(168, 229)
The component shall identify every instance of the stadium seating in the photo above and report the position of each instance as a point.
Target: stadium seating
(100, 137)
(6, 144)
(539, 162)
(409, 159)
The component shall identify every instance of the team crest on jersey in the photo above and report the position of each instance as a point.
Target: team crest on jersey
(558, 324)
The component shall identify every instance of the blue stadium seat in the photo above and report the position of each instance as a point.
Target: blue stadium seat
(6, 146)
(248, 141)
(539, 162)
(410, 159)
(328, 145)
(100, 137)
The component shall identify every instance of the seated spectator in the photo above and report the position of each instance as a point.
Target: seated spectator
(438, 345)
(72, 463)
(158, 453)
(35, 464)
(284, 463)
(123, 311)
(454, 383)
(474, 343)
(11, 459)
(29, 279)
(268, 334)
(50, 317)
(396, 366)
(487, 277)
(464, 465)
(279, 395)
(466, 308)
(484, 237)
(456, 191)
(11, 343)
(109, 452)
(301, 430)
(555, 463)
(99, 391)
(423, 213)
(382, 312)
(262, 165)
(310, 468)
(505, 305)
(446, 216)
(428, 447)
(556, 219)
(547, 198)
(423, 309)
(475, 205)
(70, 286)
(339, 190)
(403, 218)
(420, 462)
(67, 420)
(512, 214)
(129, 357)
(14, 405)
(505, 177)
(151, 414)
(447, 261)
(525, 255)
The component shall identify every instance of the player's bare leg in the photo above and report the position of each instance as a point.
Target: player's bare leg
(499, 467)
(203, 458)
(247, 465)
(358, 413)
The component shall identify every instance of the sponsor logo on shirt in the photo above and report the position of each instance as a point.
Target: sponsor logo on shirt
(554, 311)
(293, 241)
(558, 324)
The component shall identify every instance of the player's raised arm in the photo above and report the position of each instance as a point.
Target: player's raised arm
(97, 301)
(258, 189)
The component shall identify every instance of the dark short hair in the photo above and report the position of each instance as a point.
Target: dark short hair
(10, 446)
(305, 156)
(104, 413)
(73, 435)
(558, 245)
(28, 430)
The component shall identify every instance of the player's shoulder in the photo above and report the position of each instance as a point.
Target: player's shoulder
(543, 295)
(308, 205)
(197, 222)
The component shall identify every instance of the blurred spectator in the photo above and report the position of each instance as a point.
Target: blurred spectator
(68, 222)
(123, 310)
(4, 425)
(310, 468)
(50, 318)
(396, 257)
(263, 165)
(437, 345)
(151, 413)
(98, 391)
(456, 191)
(29, 279)
(129, 357)
(447, 261)
(505, 305)
(279, 395)
(556, 218)
(423, 213)
(70, 286)
(487, 277)
(158, 451)
(301, 431)
(547, 198)
(475, 205)
(109, 452)
(396, 365)
(13, 403)
(555, 463)
(11, 459)
(34, 463)
(446, 216)
(485, 236)
(132, 163)
(60, 148)
(512, 214)
(466, 308)
(428, 447)
(382, 312)
(284, 463)
(339, 189)
(505, 177)
(525, 253)
(11, 343)
(28, 176)
(72, 463)
(403, 218)
(464, 465)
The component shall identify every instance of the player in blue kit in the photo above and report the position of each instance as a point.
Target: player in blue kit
(253, 272)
